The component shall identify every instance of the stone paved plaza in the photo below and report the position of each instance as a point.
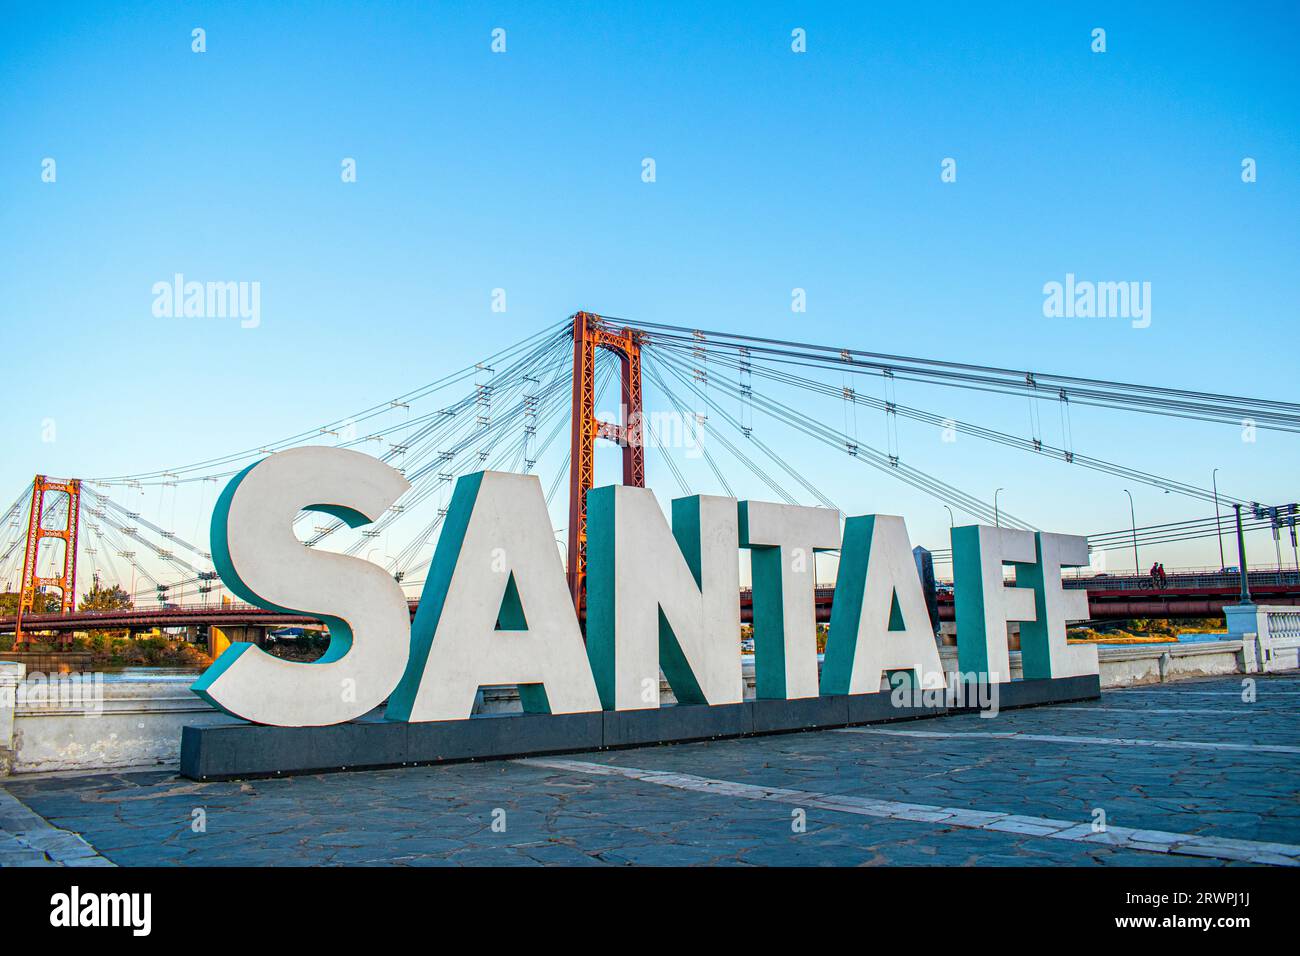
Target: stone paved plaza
(1181, 774)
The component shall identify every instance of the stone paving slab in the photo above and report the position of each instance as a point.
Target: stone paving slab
(797, 799)
(28, 839)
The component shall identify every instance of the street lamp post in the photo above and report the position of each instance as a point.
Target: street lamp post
(1137, 565)
(997, 520)
(1214, 479)
(952, 522)
(1241, 558)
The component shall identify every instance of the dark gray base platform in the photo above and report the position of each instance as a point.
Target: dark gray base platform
(1030, 693)
(237, 750)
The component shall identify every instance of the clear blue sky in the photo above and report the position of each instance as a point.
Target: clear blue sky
(775, 170)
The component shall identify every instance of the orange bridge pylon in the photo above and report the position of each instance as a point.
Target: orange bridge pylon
(66, 581)
(591, 332)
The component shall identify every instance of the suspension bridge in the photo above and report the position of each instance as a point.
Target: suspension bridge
(725, 410)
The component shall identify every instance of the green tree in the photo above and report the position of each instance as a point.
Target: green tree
(100, 598)
(43, 603)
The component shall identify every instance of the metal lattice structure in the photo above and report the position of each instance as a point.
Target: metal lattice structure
(591, 332)
(66, 579)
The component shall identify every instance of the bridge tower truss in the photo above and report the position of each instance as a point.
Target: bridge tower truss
(66, 580)
(591, 332)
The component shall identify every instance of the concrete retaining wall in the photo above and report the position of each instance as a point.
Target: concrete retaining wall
(66, 724)
(11, 675)
(139, 724)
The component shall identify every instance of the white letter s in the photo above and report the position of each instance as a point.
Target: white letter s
(262, 561)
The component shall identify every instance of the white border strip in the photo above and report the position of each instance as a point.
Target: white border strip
(1154, 710)
(1125, 838)
(1073, 739)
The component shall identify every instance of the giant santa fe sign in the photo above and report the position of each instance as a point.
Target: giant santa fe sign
(495, 608)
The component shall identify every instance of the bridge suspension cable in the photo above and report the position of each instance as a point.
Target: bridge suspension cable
(223, 462)
(1191, 529)
(1034, 444)
(1148, 399)
(862, 452)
